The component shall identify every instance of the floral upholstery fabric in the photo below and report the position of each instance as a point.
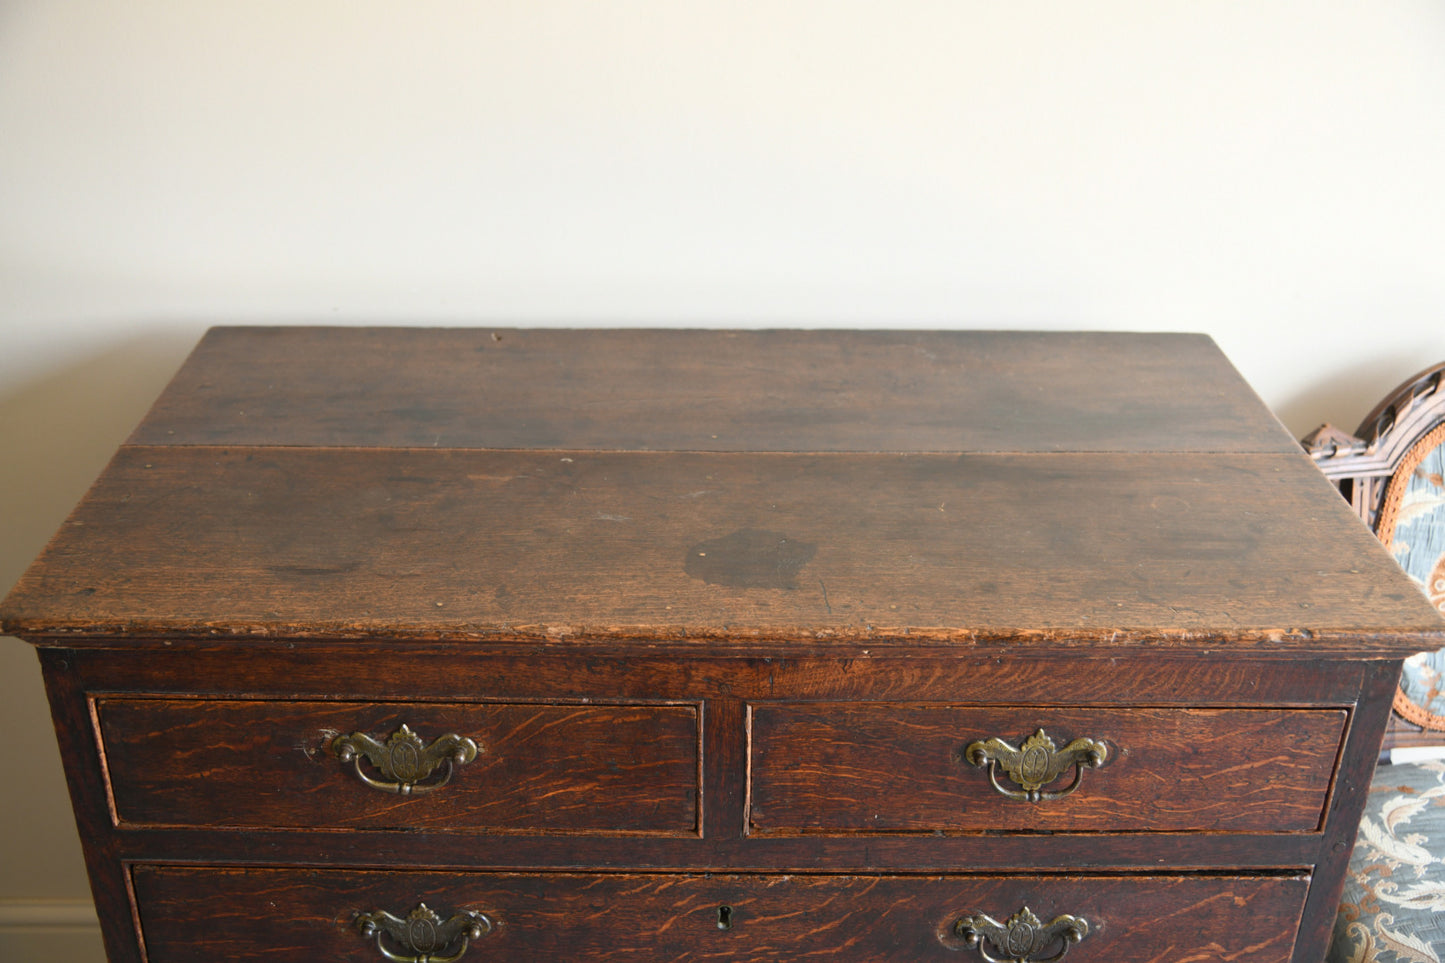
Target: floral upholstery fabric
(1418, 539)
(1423, 683)
(1393, 909)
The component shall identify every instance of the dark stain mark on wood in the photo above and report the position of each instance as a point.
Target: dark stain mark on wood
(749, 558)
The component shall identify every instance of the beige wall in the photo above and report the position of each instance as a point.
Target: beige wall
(1268, 172)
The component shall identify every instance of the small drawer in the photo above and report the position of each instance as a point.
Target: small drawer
(478, 767)
(203, 915)
(897, 768)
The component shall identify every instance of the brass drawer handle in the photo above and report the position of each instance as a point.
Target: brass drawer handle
(1023, 938)
(1036, 763)
(424, 937)
(404, 760)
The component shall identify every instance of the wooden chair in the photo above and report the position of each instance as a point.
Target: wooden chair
(1392, 471)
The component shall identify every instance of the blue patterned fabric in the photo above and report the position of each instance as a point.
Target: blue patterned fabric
(1418, 540)
(1418, 543)
(1423, 681)
(1393, 909)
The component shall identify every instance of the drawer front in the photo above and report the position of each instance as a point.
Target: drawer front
(259, 764)
(199, 915)
(907, 768)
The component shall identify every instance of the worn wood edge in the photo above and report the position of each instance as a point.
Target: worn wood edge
(1291, 450)
(1374, 641)
(1393, 643)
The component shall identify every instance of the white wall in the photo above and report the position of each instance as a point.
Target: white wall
(1269, 172)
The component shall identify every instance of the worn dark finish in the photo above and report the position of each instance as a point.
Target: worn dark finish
(1352, 783)
(890, 768)
(779, 391)
(721, 689)
(84, 768)
(1078, 549)
(749, 558)
(563, 916)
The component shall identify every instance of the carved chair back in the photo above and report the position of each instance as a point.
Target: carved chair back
(1392, 471)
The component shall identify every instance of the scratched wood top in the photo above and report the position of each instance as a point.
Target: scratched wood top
(678, 390)
(948, 488)
(1101, 549)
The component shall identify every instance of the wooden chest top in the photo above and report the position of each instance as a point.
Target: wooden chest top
(722, 488)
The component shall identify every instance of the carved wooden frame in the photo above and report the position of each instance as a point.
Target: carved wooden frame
(1367, 467)
(1362, 464)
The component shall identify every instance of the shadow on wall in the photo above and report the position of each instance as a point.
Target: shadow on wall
(59, 430)
(56, 432)
(1344, 396)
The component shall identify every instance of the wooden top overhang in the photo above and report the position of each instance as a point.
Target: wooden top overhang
(721, 487)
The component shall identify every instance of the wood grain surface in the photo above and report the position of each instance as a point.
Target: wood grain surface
(724, 610)
(227, 673)
(205, 915)
(1098, 549)
(903, 768)
(266, 764)
(444, 672)
(694, 390)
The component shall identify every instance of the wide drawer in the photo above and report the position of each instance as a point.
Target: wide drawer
(347, 765)
(203, 915)
(926, 768)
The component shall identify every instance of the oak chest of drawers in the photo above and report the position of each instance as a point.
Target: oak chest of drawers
(684, 645)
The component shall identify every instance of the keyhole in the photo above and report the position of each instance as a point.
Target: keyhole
(724, 917)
